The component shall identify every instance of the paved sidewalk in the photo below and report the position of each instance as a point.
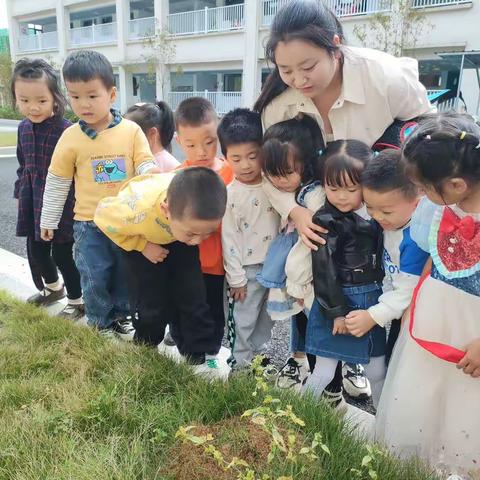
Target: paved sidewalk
(15, 278)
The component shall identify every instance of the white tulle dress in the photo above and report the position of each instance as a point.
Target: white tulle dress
(429, 407)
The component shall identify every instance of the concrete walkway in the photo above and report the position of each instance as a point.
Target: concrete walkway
(15, 278)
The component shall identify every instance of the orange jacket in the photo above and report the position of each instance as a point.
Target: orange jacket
(211, 258)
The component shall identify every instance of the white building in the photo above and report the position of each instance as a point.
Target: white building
(218, 44)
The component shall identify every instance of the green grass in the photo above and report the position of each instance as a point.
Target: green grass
(8, 139)
(74, 405)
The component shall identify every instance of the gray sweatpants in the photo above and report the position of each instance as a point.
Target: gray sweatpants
(250, 327)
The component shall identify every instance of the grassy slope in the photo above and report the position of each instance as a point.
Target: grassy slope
(76, 406)
(8, 139)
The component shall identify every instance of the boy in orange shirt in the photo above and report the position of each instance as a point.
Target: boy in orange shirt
(196, 123)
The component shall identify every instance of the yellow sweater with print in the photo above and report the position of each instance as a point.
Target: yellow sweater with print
(99, 166)
(134, 217)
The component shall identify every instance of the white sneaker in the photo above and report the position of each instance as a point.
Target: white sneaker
(355, 383)
(212, 369)
(293, 374)
(170, 352)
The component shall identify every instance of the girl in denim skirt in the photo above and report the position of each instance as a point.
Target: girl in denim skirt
(347, 271)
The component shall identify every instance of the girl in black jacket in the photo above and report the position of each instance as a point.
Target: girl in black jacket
(347, 271)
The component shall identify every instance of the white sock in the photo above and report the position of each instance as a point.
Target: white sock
(321, 376)
(56, 286)
(375, 371)
(75, 301)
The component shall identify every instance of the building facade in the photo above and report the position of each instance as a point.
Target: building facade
(173, 49)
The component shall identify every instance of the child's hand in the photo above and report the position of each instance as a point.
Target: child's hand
(155, 253)
(339, 326)
(470, 363)
(46, 234)
(302, 217)
(359, 322)
(238, 294)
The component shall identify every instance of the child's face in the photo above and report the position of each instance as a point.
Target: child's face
(91, 101)
(244, 160)
(289, 182)
(347, 197)
(34, 99)
(392, 210)
(199, 143)
(189, 230)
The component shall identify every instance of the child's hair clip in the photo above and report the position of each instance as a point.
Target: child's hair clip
(428, 137)
(376, 154)
(478, 145)
(463, 134)
(321, 152)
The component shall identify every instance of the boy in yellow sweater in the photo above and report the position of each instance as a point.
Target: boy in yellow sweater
(160, 220)
(100, 153)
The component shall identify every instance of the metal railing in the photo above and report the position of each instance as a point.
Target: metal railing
(437, 3)
(222, 101)
(141, 28)
(39, 42)
(103, 33)
(208, 20)
(341, 8)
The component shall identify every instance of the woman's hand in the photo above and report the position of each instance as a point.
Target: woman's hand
(302, 217)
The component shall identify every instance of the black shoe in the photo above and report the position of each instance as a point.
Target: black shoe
(123, 328)
(46, 297)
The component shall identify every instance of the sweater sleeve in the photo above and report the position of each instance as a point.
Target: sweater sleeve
(21, 166)
(282, 202)
(121, 224)
(54, 198)
(142, 155)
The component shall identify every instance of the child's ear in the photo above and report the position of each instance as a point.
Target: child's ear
(457, 185)
(165, 209)
(113, 94)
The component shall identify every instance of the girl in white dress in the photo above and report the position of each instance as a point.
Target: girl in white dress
(430, 405)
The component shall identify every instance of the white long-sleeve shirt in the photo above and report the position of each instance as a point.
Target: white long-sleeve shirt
(403, 261)
(249, 225)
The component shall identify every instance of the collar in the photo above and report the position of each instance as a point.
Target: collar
(91, 133)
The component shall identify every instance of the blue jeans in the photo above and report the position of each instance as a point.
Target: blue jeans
(347, 348)
(102, 275)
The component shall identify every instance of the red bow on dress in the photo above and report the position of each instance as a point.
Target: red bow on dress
(451, 223)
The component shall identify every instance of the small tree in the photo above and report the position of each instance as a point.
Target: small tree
(160, 50)
(6, 70)
(394, 31)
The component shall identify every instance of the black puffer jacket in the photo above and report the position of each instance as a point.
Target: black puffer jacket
(351, 257)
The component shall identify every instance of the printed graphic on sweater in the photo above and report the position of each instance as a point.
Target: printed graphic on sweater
(109, 170)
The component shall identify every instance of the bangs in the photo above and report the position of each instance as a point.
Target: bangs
(275, 156)
(338, 170)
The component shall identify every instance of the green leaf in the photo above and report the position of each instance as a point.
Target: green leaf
(325, 449)
(366, 460)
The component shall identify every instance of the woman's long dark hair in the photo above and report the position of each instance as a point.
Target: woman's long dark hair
(307, 20)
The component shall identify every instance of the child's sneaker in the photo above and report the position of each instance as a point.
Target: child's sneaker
(123, 328)
(72, 311)
(46, 297)
(212, 369)
(170, 351)
(335, 400)
(293, 374)
(355, 382)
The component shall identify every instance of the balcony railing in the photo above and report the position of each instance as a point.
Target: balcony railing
(437, 3)
(141, 28)
(208, 20)
(341, 8)
(222, 101)
(39, 42)
(94, 34)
